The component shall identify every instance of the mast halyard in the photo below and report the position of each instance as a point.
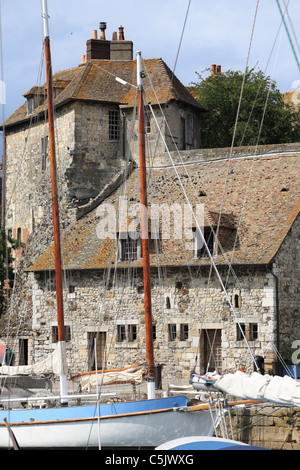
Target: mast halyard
(55, 208)
(145, 235)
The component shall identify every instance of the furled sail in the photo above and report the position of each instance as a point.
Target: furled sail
(107, 377)
(281, 390)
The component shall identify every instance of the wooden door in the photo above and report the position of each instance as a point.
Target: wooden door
(210, 350)
(100, 340)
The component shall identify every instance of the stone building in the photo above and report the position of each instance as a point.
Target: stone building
(256, 255)
(248, 204)
(96, 135)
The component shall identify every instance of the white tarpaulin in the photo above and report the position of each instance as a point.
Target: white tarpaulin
(53, 363)
(282, 390)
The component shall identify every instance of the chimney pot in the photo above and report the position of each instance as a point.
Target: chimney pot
(115, 36)
(95, 35)
(102, 27)
(121, 33)
(213, 69)
(219, 68)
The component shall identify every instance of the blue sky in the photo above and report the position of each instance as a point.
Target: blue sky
(216, 32)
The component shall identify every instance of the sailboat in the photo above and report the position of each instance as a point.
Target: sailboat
(146, 423)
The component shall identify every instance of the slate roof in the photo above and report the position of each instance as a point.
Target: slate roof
(260, 195)
(96, 81)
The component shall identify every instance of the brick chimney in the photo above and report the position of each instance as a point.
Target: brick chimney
(116, 49)
(121, 49)
(98, 48)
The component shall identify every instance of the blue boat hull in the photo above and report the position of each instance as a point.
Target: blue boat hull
(146, 423)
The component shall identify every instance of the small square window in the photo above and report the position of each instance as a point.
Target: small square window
(55, 334)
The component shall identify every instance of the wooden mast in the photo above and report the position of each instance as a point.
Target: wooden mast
(145, 234)
(55, 208)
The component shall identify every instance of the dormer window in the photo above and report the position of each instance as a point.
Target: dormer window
(200, 249)
(30, 105)
(129, 247)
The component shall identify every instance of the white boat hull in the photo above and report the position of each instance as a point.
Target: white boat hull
(148, 428)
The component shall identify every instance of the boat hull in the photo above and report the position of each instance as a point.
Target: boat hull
(134, 424)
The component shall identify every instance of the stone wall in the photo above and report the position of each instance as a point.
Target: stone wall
(269, 426)
(93, 304)
(286, 269)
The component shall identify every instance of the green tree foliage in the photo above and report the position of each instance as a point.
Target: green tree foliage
(264, 117)
(7, 244)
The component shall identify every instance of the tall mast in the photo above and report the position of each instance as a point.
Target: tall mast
(55, 208)
(145, 234)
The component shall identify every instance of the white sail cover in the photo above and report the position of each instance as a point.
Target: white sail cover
(282, 390)
(53, 363)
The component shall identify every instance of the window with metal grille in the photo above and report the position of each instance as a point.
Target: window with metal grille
(114, 125)
(129, 248)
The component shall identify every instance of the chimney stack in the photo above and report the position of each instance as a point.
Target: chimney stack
(117, 49)
(215, 69)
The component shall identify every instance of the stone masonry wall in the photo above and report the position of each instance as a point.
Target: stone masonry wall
(192, 303)
(286, 269)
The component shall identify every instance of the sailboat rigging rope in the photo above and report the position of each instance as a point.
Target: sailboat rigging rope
(172, 164)
(237, 115)
(203, 239)
(181, 38)
(288, 33)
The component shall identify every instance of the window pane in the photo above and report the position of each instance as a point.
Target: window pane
(114, 125)
(129, 249)
(172, 332)
(121, 333)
